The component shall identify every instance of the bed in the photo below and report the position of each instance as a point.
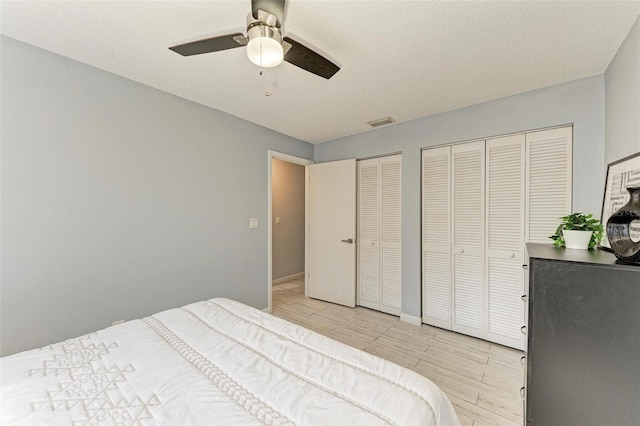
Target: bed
(213, 362)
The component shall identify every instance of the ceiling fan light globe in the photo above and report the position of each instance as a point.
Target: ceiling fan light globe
(265, 52)
(265, 46)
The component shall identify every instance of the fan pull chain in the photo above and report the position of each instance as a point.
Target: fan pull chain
(267, 91)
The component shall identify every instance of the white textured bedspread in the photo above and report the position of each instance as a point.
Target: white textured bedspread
(213, 362)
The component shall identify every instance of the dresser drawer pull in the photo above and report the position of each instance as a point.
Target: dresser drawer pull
(524, 297)
(522, 392)
(523, 360)
(523, 329)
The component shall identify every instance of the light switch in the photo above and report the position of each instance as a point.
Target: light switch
(253, 223)
(277, 220)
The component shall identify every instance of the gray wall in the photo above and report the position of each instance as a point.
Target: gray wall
(119, 200)
(579, 102)
(622, 99)
(287, 203)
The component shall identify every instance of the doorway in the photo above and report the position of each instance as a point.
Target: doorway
(286, 220)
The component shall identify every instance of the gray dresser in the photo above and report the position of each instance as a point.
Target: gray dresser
(583, 339)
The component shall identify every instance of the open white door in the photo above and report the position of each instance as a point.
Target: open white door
(332, 232)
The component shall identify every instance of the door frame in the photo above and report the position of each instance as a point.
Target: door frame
(275, 155)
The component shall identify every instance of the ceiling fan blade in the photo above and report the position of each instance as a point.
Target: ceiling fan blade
(309, 60)
(274, 7)
(208, 45)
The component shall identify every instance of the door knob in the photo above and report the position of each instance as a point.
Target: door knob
(348, 241)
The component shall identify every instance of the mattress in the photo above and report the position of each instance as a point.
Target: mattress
(213, 362)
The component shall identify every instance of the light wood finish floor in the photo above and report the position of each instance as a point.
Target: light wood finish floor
(481, 379)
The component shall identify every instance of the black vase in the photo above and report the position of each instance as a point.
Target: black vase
(619, 227)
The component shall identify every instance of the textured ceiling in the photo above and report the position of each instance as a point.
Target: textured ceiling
(406, 59)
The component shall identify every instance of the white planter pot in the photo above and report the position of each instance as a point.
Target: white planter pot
(577, 239)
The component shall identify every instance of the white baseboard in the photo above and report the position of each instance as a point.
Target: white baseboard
(410, 319)
(287, 278)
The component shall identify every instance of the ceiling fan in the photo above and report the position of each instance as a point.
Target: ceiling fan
(265, 45)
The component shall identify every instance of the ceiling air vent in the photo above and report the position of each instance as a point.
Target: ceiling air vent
(381, 122)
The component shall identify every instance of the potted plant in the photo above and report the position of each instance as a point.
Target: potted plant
(578, 231)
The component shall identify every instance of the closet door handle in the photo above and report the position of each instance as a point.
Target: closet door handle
(524, 298)
(348, 241)
(523, 360)
(523, 329)
(525, 267)
(522, 392)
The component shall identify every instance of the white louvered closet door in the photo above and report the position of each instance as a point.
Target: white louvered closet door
(469, 292)
(368, 239)
(481, 201)
(379, 233)
(505, 186)
(436, 237)
(549, 172)
(548, 191)
(390, 220)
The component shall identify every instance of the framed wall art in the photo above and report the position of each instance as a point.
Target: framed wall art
(620, 175)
